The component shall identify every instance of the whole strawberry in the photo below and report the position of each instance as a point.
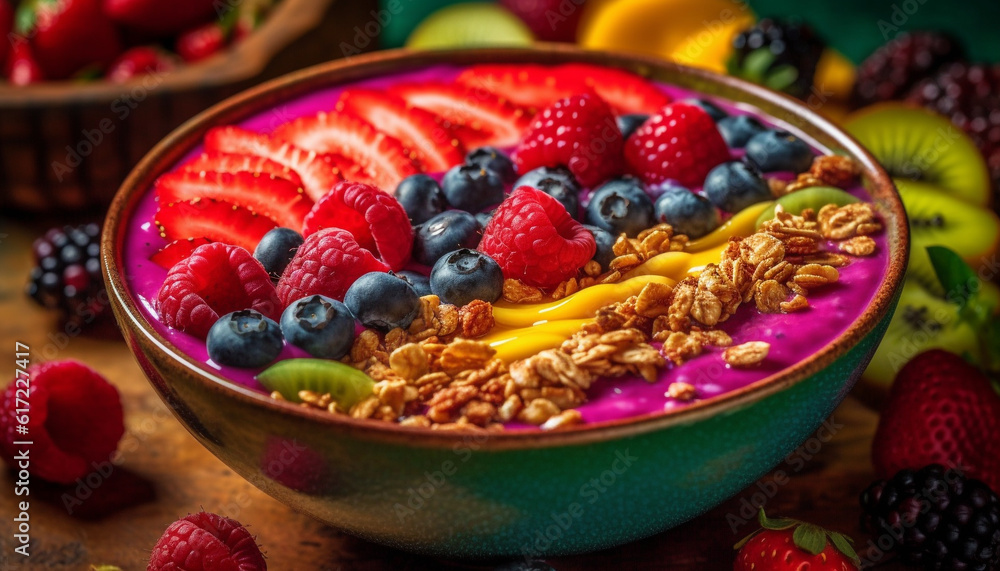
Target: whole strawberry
(786, 544)
(941, 410)
(206, 542)
(67, 36)
(679, 143)
(578, 132)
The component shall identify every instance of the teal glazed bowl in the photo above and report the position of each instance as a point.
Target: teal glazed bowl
(485, 495)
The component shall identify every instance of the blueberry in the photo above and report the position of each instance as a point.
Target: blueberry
(491, 158)
(627, 124)
(421, 283)
(534, 177)
(450, 230)
(472, 188)
(484, 217)
(466, 275)
(245, 339)
(689, 213)
(605, 244)
(713, 110)
(779, 151)
(421, 197)
(621, 205)
(382, 301)
(734, 185)
(739, 129)
(556, 182)
(565, 195)
(276, 249)
(322, 326)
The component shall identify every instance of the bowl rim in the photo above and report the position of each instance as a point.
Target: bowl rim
(264, 96)
(288, 21)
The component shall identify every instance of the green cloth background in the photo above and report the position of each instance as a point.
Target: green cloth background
(855, 27)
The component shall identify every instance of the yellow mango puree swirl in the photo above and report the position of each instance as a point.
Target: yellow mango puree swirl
(523, 330)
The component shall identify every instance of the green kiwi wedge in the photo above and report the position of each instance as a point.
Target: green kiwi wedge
(814, 197)
(918, 144)
(940, 219)
(345, 384)
(470, 24)
(922, 321)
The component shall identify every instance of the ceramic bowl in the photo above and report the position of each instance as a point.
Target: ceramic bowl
(507, 494)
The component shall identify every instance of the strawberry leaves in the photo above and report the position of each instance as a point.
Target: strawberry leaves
(964, 288)
(808, 537)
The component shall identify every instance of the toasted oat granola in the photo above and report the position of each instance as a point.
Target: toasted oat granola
(435, 374)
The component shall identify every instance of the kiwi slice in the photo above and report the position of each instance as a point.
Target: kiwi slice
(814, 197)
(940, 219)
(918, 144)
(468, 25)
(922, 321)
(345, 384)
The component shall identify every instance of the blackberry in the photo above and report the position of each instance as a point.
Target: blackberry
(970, 96)
(936, 518)
(67, 274)
(780, 55)
(893, 69)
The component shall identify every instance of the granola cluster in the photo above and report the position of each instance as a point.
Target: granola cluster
(629, 253)
(826, 170)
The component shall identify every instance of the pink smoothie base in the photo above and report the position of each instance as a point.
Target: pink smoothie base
(793, 337)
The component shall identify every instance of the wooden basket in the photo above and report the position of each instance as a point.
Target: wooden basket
(68, 146)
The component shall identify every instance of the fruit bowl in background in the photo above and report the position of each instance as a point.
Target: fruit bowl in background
(68, 145)
(480, 495)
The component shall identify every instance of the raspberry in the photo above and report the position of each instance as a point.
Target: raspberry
(534, 239)
(74, 420)
(680, 143)
(376, 219)
(577, 132)
(214, 280)
(206, 542)
(327, 264)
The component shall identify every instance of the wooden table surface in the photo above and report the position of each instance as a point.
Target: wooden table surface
(172, 475)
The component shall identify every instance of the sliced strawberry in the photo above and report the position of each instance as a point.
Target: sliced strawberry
(421, 131)
(276, 198)
(216, 220)
(177, 251)
(476, 108)
(534, 87)
(348, 169)
(216, 161)
(382, 156)
(317, 173)
(626, 92)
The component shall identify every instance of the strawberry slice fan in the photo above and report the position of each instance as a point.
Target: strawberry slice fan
(382, 157)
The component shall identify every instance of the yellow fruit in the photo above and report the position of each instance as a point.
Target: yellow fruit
(834, 75)
(709, 48)
(664, 27)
